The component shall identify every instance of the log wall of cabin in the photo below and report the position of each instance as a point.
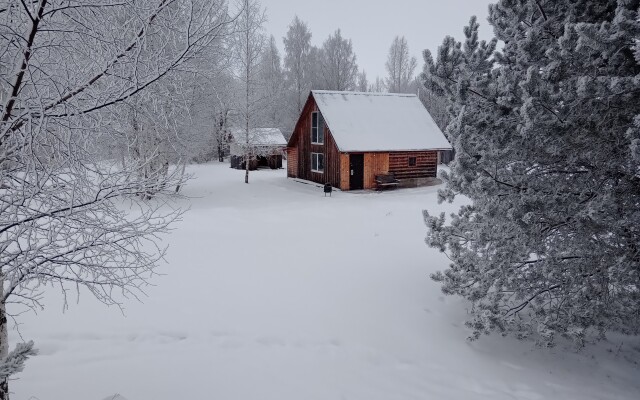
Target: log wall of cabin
(304, 148)
(426, 164)
(331, 160)
(292, 162)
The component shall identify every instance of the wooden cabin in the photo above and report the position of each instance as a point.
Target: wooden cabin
(266, 147)
(346, 139)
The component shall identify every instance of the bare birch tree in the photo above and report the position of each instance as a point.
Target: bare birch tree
(400, 66)
(378, 85)
(65, 68)
(272, 87)
(363, 83)
(338, 63)
(249, 46)
(225, 102)
(297, 46)
(213, 100)
(315, 69)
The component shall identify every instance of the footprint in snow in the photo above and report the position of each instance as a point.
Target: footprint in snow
(174, 336)
(271, 341)
(512, 366)
(115, 397)
(221, 334)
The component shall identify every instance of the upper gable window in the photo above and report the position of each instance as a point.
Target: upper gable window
(317, 128)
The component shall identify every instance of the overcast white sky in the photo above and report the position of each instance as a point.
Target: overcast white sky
(372, 24)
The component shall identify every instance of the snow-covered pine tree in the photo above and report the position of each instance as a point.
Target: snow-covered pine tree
(547, 152)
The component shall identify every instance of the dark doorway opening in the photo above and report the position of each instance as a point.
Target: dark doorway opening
(356, 173)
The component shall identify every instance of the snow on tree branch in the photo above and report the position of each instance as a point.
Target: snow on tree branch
(546, 136)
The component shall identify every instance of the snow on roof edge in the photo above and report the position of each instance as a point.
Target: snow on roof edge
(344, 143)
(346, 92)
(356, 150)
(261, 137)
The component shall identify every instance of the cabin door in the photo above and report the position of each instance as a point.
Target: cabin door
(356, 171)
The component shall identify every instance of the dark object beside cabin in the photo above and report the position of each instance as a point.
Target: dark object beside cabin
(272, 161)
(237, 162)
(384, 181)
(327, 189)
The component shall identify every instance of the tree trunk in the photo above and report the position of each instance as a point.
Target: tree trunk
(220, 153)
(179, 185)
(221, 128)
(247, 92)
(247, 160)
(4, 340)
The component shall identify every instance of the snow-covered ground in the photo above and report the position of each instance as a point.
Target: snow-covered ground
(274, 292)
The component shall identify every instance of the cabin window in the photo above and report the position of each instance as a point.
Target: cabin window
(317, 162)
(412, 161)
(317, 128)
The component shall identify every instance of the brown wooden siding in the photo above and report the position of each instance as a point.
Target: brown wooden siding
(374, 164)
(344, 168)
(302, 139)
(331, 160)
(292, 162)
(426, 164)
(336, 164)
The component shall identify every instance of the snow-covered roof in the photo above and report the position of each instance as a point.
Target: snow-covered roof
(260, 136)
(379, 121)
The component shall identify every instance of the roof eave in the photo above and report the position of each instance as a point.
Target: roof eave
(394, 150)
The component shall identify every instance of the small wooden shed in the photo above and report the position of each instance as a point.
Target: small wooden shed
(347, 138)
(266, 147)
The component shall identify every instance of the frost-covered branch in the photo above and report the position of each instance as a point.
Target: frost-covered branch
(15, 360)
(77, 80)
(546, 137)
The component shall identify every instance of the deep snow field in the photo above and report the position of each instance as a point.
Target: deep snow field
(274, 292)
